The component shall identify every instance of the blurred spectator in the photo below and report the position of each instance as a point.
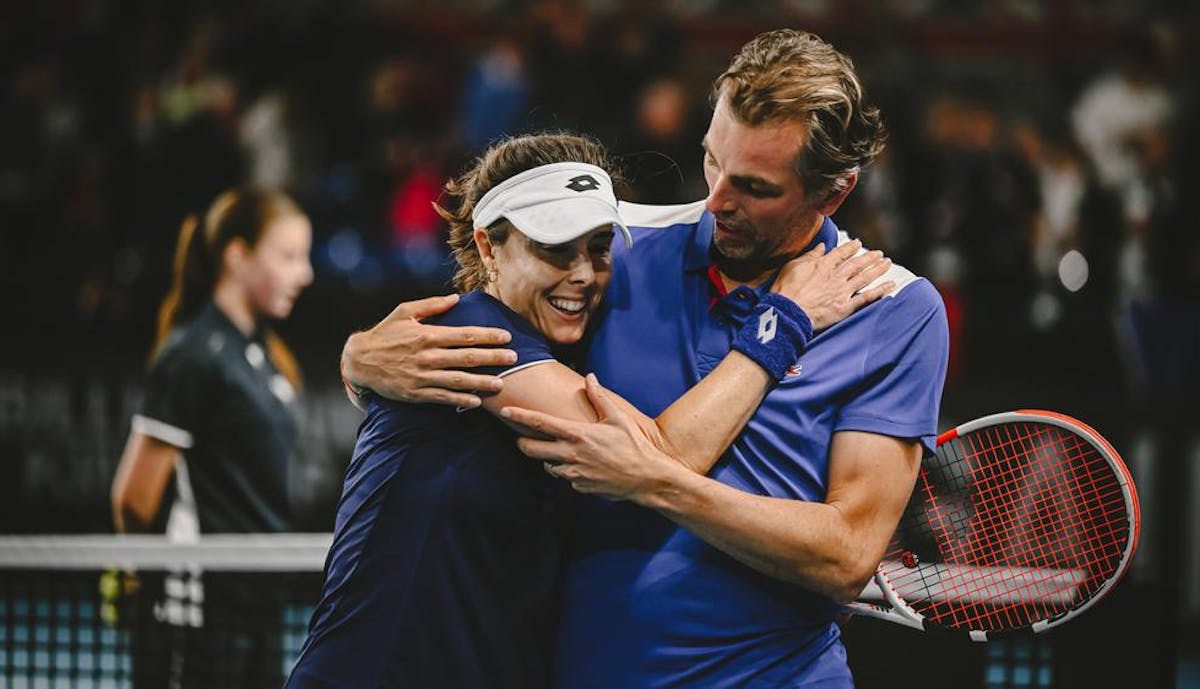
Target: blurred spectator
(42, 132)
(1119, 119)
(266, 136)
(1061, 178)
(640, 44)
(876, 208)
(565, 68)
(41, 146)
(417, 234)
(407, 135)
(662, 157)
(1141, 127)
(974, 203)
(405, 113)
(496, 101)
(1122, 120)
(199, 109)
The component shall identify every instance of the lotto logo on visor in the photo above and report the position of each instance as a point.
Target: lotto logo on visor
(583, 183)
(548, 203)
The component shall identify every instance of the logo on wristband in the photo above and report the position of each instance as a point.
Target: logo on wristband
(768, 322)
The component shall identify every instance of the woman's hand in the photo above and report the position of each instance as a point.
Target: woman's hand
(831, 286)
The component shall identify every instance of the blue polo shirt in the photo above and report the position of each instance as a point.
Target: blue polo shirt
(647, 603)
(447, 546)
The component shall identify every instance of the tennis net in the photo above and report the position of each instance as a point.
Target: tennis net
(139, 611)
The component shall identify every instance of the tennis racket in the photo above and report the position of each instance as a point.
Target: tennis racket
(1020, 522)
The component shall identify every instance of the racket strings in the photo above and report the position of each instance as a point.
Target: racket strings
(1023, 531)
(1045, 532)
(1011, 524)
(1059, 512)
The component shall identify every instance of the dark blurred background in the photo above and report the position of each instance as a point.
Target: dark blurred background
(1039, 162)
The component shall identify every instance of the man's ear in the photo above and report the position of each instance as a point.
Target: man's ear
(838, 194)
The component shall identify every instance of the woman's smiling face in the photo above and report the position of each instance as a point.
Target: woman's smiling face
(554, 287)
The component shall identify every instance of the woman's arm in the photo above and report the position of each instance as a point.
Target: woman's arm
(698, 427)
(137, 490)
(695, 429)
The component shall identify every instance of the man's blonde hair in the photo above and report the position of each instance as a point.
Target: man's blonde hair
(788, 75)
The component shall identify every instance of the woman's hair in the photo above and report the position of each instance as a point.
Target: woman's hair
(235, 214)
(500, 161)
(788, 75)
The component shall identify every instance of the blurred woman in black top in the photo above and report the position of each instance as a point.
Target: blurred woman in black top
(219, 416)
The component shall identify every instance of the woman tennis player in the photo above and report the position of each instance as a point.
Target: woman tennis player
(218, 415)
(444, 566)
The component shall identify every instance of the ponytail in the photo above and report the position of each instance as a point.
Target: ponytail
(283, 360)
(192, 281)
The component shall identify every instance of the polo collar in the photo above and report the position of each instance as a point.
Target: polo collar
(698, 257)
(220, 321)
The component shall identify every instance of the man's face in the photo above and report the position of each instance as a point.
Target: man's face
(760, 204)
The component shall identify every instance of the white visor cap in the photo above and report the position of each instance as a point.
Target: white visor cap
(553, 204)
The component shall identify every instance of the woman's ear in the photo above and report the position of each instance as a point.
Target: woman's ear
(487, 255)
(484, 244)
(235, 256)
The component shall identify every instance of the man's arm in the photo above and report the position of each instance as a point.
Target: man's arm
(402, 358)
(699, 425)
(831, 547)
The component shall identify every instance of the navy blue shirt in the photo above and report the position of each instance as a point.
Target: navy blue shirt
(446, 550)
(646, 602)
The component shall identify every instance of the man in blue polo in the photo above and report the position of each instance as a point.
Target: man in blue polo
(734, 578)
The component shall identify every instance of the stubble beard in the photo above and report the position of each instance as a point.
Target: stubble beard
(745, 261)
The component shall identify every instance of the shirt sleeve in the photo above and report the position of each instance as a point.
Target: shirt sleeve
(480, 309)
(904, 369)
(175, 396)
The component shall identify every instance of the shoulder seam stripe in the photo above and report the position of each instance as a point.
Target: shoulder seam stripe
(655, 217)
(903, 277)
(160, 430)
(522, 367)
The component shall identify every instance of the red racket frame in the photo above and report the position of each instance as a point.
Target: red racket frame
(995, 586)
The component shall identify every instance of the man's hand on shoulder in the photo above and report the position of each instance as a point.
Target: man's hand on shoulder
(403, 359)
